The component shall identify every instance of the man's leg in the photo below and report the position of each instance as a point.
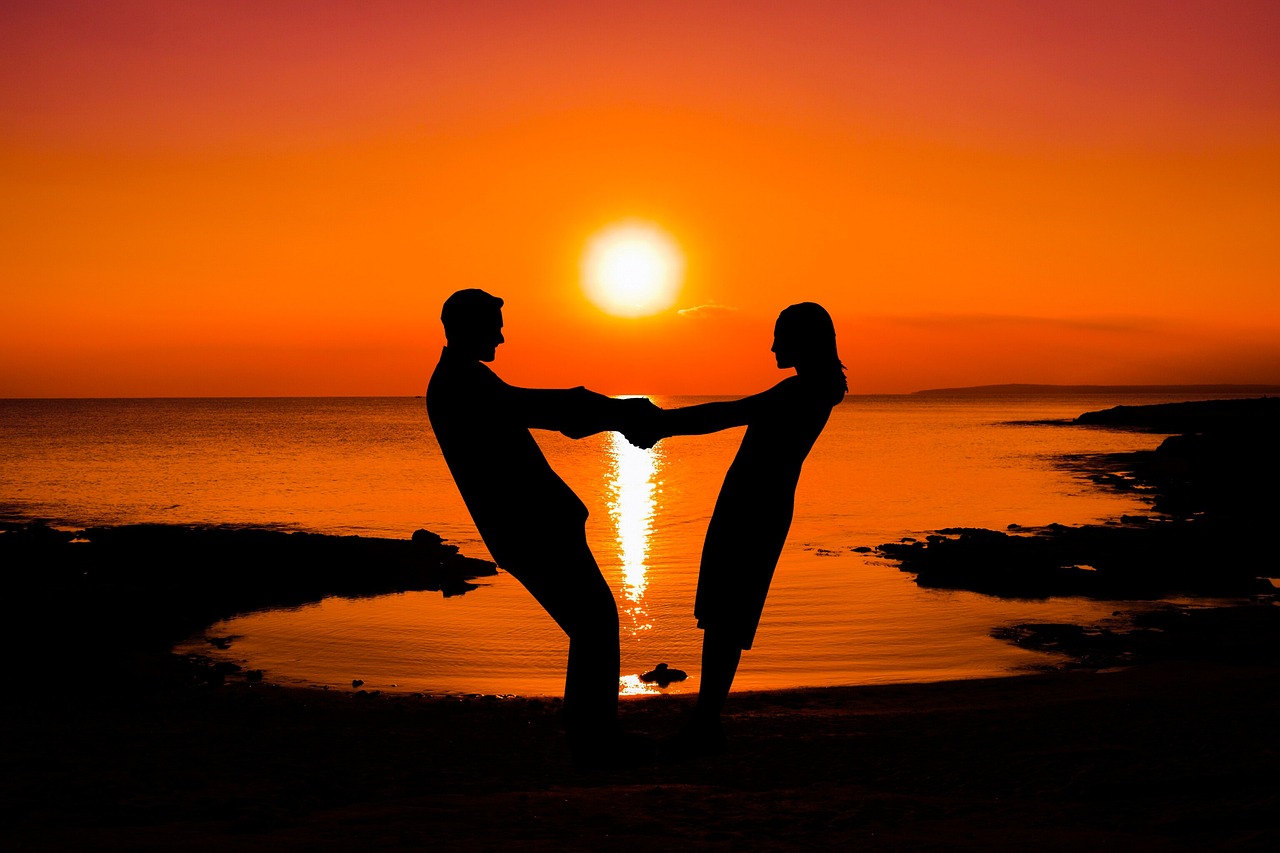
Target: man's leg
(591, 678)
(567, 582)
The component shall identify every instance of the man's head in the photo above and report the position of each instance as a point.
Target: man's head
(472, 322)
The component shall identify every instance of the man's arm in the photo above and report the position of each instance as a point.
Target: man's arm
(576, 412)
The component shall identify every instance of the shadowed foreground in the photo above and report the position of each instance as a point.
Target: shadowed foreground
(1166, 756)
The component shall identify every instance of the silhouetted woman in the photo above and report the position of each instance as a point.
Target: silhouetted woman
(754, 509)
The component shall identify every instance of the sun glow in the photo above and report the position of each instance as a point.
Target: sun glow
(632, 269)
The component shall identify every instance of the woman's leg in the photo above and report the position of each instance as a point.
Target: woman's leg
(702, 734)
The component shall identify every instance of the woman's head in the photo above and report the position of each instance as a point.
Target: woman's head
(805, 338)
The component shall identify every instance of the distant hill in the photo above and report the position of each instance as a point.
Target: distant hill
(1029, 389)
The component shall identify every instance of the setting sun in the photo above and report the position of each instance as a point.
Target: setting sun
(632, 269)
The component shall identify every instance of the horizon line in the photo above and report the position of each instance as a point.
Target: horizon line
(1024, 387)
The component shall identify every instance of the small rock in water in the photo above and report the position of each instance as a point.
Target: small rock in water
(663, 675)
(356, 682)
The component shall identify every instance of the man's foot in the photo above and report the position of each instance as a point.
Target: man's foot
(696, 739)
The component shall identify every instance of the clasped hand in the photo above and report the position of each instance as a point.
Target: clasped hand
(641, 422)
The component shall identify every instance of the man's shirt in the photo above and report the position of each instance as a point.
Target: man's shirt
(482, 425)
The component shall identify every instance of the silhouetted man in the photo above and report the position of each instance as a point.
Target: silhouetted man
(529, 518)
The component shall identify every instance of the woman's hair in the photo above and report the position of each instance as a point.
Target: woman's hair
(809, 328)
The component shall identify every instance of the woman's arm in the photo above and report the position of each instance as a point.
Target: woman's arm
(713, 417)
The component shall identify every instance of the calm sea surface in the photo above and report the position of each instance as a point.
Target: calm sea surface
(886, 467)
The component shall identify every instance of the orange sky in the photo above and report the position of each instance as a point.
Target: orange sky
(238, 198)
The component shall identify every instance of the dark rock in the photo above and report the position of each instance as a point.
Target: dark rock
(1249, 632)
(663, 676)
(1189, 417)
(456, 586)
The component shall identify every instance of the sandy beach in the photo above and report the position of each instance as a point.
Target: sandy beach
(1175, 755)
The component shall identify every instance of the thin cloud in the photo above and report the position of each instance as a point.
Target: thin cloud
(711, 309)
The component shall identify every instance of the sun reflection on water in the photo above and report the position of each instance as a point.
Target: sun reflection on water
(632, 498)
(631, 685)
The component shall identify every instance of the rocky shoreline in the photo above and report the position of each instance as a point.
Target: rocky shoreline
(1212, 487)
(101, 603)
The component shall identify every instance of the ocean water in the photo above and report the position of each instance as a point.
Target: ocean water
(886, 467)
